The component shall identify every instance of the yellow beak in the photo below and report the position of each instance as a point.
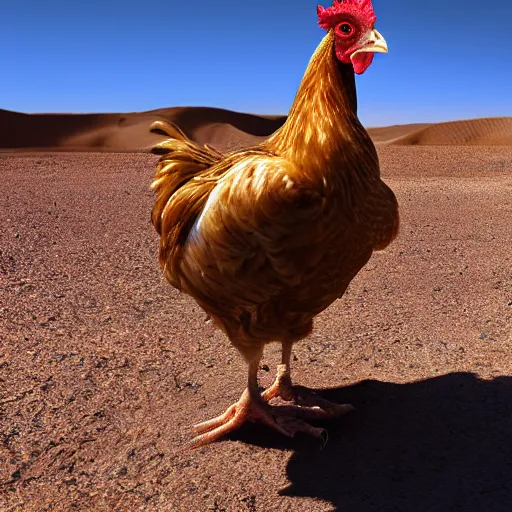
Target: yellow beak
(374, 44)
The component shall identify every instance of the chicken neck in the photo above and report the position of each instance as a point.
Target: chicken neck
(322, 130)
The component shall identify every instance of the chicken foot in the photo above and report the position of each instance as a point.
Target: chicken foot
(251, 407)
(308, 405)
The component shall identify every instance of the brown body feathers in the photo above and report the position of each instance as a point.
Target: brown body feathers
(266, 238)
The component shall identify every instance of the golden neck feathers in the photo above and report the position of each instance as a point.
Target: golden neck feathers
(322, 126)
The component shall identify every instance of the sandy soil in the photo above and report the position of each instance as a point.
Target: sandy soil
(104, 367)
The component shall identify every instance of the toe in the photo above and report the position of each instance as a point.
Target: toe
(214, 423)
(294, 425)
(327, 409)
(230, 421)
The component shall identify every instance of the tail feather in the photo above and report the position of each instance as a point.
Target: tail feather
(168, 128)
(182, 160)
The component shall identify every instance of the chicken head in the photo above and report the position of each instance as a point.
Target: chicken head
(356, 39)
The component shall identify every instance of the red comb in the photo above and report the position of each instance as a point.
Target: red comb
(327, 17)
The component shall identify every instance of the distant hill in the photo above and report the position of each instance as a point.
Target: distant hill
(224, 129)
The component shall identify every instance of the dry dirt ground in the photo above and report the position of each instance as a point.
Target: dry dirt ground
(104, 367)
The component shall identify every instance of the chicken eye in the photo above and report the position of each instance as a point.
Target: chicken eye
(345, 28)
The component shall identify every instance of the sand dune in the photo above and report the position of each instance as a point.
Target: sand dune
(224, 129)
(130, 132)
(388, 133)
(488, 131)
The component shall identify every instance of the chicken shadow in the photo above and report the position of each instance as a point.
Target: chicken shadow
(439, 445)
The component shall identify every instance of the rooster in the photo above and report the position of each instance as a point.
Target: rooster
(266, 238)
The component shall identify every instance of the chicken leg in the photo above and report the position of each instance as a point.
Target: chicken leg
(308, 405)
(251, 407)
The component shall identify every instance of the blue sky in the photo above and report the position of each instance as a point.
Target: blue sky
(449, 59)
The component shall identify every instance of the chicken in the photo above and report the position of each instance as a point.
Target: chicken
(266, 238)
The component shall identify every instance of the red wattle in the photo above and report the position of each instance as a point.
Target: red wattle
(361, 62)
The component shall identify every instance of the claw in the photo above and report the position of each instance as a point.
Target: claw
(246, 409)
(286, 419)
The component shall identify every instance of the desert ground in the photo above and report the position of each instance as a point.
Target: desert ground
(104, 367)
